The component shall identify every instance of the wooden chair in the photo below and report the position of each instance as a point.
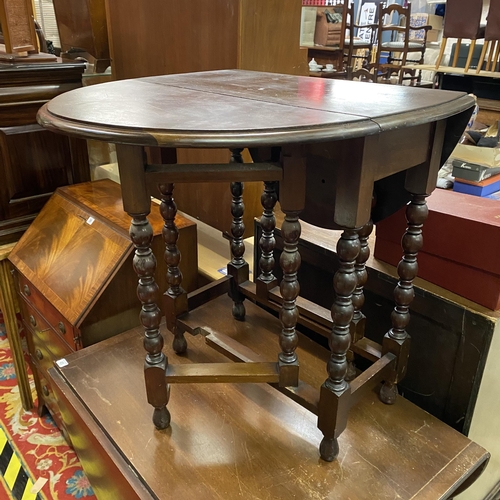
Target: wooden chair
(461, 20)
(357, 49)
(491, 38)
(362, 75)
(398, 46)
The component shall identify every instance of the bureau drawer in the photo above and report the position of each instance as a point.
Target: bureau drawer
(44, 354)
(50, 345)
(51, 403)
(60, 324)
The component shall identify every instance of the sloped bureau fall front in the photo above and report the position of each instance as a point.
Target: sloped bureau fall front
(75, 275)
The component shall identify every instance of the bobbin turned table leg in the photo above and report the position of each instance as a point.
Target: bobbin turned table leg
(292, 200)
(289, 288)
(397, 340)
(358, 322)
(175, 297)
(137, 203)
(267, 241)
(335, 392)
(238, 268)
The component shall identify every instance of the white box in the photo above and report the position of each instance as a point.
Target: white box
(423, 19)
(490, 157)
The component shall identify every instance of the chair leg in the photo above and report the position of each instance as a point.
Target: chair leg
(441, 52)
(469, 57)
(490, 55)
(482, 57)
(457, 51)
(495, 57)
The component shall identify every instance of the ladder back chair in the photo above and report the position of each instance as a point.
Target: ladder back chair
(399, 49)
(359, 40)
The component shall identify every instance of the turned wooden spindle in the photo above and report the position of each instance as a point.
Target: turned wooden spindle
(358, 296)
(172, 256)
(237, 226)
(397, 340)
(237, 268)
(335, 390)
(289, 288)
(267, 241)
(141, 234)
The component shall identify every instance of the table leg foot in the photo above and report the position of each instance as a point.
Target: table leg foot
(351, 371)
(161, 418)
(179, 344)
(239, 311)
(329, 449)
(388, 393)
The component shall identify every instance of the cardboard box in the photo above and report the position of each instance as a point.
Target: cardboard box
(308, 26)
(423, 19)
(434, 35)
(489, 157)
(461, 242)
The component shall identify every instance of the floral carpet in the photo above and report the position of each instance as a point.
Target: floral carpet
(35, 461)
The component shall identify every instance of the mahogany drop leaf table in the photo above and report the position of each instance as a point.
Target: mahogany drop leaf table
(335, 153)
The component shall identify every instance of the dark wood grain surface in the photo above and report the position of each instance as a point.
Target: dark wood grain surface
(33, 161)
(231, 108)
(249, 441)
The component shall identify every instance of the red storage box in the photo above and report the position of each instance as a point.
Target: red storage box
(461, 245)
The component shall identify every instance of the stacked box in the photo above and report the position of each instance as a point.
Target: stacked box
(423, 19)
(461, 242)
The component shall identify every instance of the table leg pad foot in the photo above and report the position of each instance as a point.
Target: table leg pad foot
(179, 345)
(388, 393)
(351, 371)
(161, 418)
(329, 449)
(239, 311)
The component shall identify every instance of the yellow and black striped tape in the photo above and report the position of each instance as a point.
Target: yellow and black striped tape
(16, 479)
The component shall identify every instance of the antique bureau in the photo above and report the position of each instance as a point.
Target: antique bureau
(76, 283)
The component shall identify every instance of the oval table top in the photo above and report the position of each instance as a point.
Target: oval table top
(236, 108)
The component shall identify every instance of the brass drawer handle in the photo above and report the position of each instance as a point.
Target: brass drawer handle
(26, 290)
(32, 320)
(39, 354)
(62, 327)
(45, 390)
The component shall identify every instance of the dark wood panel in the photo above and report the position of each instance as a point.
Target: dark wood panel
(82, 25)
(27, 175)
(269, 37)
(20, 75)
(175, 37)
(34, 163)
(211, 202)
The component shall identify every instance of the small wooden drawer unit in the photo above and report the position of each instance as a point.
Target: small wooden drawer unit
(75, 277)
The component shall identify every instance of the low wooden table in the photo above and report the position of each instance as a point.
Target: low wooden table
(247, 440)
(325, 149)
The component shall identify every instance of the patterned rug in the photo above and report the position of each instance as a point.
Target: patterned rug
(35, 461)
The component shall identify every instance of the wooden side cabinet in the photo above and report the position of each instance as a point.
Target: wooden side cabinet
(33, 161)
(75, 277)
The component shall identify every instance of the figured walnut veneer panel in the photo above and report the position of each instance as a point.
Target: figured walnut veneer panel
(54, 258)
